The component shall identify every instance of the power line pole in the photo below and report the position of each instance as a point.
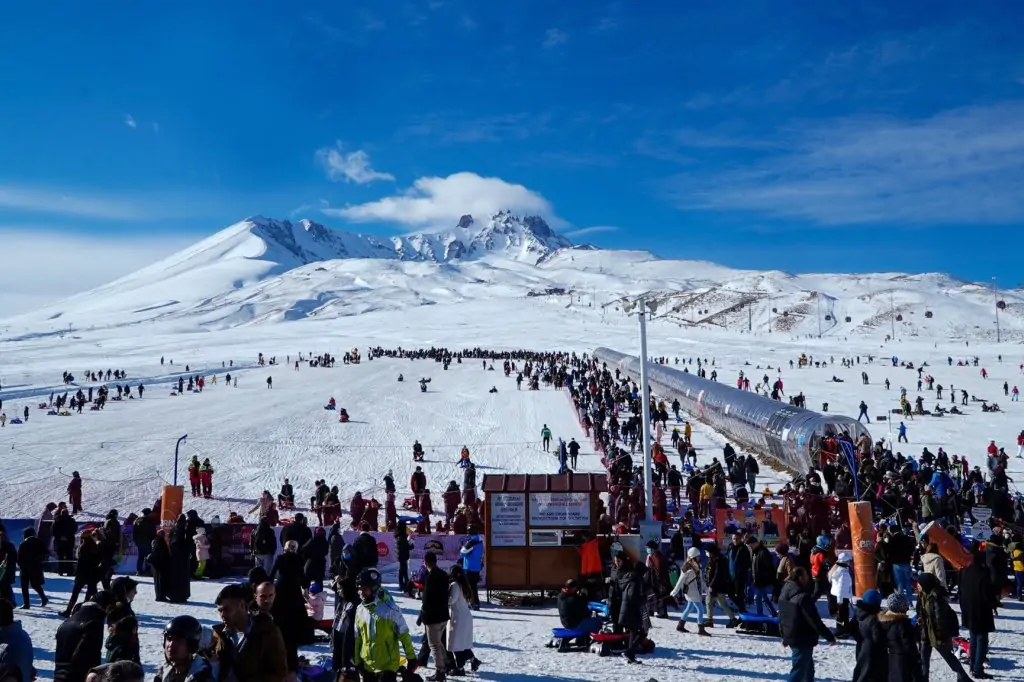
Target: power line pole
(892, 315)
(995, 298)
(645, 406)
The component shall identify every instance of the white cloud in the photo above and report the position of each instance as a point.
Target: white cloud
(42, 265)
(586, 231)
(441, 201)
(130, 121)
(960, 166)
(554, 37)
(55, 201)
(351, 167)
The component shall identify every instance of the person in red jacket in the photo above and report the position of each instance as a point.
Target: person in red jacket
(206, 478)
(75, 492)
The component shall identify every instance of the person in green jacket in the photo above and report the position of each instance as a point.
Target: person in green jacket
(545, 436)
(380, 628)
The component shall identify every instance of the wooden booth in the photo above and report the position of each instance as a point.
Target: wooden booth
(533, 527)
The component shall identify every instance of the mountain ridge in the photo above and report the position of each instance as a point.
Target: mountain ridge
(264, 270)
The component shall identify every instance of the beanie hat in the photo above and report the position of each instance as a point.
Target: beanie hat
(693, 553)
(872, 598)
(897, 603)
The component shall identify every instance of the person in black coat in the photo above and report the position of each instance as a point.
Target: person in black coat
(315, 553)
(977, 608)
(179, 575)
(298, 530)
(88, 569)
(160, 566)
(403, 548)
(799, 623)
(64, 530)
(872, 651)
(365, 549)
(629, 586)
(995, 560)
(31, 556)
(8, 566)
(79, 646)
(434, 614)
(901, 641)
(288, 574)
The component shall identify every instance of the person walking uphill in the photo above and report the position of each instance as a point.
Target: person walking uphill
(800, 624)
(545, 437)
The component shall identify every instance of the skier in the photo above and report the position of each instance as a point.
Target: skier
(545, 435)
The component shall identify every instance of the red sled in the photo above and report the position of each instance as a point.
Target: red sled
(607, 643)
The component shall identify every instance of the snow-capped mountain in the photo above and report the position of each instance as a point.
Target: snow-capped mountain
(263, 270)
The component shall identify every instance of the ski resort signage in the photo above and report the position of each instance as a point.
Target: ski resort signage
(559, 510)
(536, 525)
(508, 520)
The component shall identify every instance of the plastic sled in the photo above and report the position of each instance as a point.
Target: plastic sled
(51, 413)
(962, 647)
(753, 624)
(607, 643)
(600, 608)
(16, 420)
(330, 407)
(574, 639)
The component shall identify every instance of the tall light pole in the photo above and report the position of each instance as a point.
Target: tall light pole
(176, 447)
(645, 407)
(995, 298)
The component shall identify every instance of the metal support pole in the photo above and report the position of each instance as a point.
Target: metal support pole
(995, 297)
(645, 406)
(177, 446)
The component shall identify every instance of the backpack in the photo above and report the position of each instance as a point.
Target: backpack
(673, 573)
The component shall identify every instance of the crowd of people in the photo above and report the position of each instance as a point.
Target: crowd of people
(282, 603)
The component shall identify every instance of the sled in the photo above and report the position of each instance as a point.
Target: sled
(574, 639)
(16, 420)
(410, 504)
(343, 419)
(51, 413)
(600, 608)
(962, 647)
(754, 624)
(607, 643)
(330, 407)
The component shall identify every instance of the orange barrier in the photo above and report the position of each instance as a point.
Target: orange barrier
(862, 535)
(170, 504)
(949, 546)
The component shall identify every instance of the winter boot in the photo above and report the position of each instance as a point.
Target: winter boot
(681, 627)
(474, 664)
(708, 624)
(702, 632)
(436, 677)
(734, 622)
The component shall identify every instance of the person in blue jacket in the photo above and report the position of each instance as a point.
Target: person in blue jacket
(940, 483)
(472, 556)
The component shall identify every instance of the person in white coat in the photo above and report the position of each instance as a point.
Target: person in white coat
(691, 583)
(460, 624)
(202, 550)
(841, 580)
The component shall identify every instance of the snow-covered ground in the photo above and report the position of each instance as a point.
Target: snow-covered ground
(256, 436)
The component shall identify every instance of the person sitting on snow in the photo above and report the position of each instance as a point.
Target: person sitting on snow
(331, 404)
(343, 415)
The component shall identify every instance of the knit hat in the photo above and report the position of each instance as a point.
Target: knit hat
(872, 598)
(693, 553)
(897, 603)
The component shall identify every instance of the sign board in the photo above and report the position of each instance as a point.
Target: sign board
(507, 523)
(981, 531)
(559, 509)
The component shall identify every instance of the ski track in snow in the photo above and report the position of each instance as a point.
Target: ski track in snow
(256, 436)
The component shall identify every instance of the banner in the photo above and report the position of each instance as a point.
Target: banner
(557, 510)
(767, 525)
(507, 520)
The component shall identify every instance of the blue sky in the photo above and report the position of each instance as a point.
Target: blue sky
(804, 136)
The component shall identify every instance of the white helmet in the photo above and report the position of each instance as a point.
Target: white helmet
(693, 553)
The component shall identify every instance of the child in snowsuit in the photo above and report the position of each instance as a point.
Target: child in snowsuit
(202, 551)
(206, 478)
